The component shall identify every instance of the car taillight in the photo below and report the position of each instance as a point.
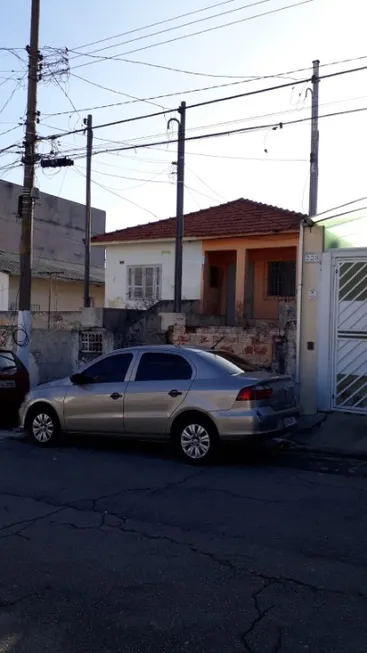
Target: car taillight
(255, 393)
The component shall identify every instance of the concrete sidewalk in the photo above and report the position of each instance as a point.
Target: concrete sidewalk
(7, 432)
(341, 434)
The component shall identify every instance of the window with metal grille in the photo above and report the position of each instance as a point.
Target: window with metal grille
(91, 342)
(281, 280)
(144, 282)
(34, 307)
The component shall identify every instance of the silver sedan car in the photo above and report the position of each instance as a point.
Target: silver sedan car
(193, 397)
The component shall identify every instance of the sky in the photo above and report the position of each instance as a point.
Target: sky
(266, 165)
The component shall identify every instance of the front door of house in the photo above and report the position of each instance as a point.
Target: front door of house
(231, 295)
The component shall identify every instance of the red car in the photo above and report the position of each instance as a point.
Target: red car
(14, 385)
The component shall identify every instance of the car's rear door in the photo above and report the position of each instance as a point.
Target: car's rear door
(161, 383)
(97, 406)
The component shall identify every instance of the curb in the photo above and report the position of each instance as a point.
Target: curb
(326, 451)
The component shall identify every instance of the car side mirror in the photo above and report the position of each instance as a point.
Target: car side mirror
(78, 379)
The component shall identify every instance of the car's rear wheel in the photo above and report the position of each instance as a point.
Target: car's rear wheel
(43, 426)
(196, 439)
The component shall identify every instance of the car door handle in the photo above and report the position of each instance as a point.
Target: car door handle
(175, 393)
(115, 395)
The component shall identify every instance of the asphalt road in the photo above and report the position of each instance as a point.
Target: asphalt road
(118, 549)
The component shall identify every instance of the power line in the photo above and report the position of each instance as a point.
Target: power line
(232, 122)
(10, 130)
(170, 29)
(149, 100)
(273, 88)
(109, 190)
(151, 180)
(230, 132)
(184, 71)
(208, 102)
(13, 92)
(204, 31)
(161, 22)
(9, 147)
(205, 184)
(160, 113)
(133, 97)
(341, 206)
(244, 79)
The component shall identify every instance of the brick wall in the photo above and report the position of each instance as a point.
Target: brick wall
(255, 344)
(262, 343)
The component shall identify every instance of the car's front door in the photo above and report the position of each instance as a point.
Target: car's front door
(96, 405)
(161, 383)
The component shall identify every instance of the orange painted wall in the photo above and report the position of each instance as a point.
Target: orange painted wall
(266, 308)
(260, 249)
(250, 242)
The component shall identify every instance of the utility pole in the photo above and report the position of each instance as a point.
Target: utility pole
(27, 207)
(88, 209)
(179, 204)
(314, 156)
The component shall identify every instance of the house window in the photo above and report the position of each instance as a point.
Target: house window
(144, 282)
(34, 307)
(281, 279)
(91, 342)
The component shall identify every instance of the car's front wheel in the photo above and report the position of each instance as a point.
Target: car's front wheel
(196, 439)
(42, 425)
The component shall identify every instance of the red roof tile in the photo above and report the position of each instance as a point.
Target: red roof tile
(236, 218)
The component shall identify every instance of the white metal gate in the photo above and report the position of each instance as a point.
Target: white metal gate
(350, 336)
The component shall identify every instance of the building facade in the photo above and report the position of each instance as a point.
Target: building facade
(239, 261)
(59, 226)
(332, 357)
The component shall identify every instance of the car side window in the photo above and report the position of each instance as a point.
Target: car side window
(163, 367)
(7, 361)
(112, 369)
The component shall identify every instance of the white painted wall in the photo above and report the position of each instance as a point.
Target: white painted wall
(120, 257)
(65, 295)
(4, 291)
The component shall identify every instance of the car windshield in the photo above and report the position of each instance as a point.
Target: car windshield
(6, 361)
(223, 363)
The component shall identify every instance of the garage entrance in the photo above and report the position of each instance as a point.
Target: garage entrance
(348, 332)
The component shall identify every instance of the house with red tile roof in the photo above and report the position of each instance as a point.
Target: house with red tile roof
(239, 258)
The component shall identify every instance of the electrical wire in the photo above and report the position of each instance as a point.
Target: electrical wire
(151, 180)
(209, 197)
(204, 31)
(341, 206)
(15, 89)
(245, 80)
(9, 147)
(242, 130)
(205, 184)
(10, 130)
(228, 122)
(209, 102)
(111, 90)
(149, 100)
(160, 113)
(161, 22)
(170, 29)
(109, 190)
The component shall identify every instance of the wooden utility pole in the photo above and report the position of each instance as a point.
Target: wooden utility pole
(29, 161)
(88, 210)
